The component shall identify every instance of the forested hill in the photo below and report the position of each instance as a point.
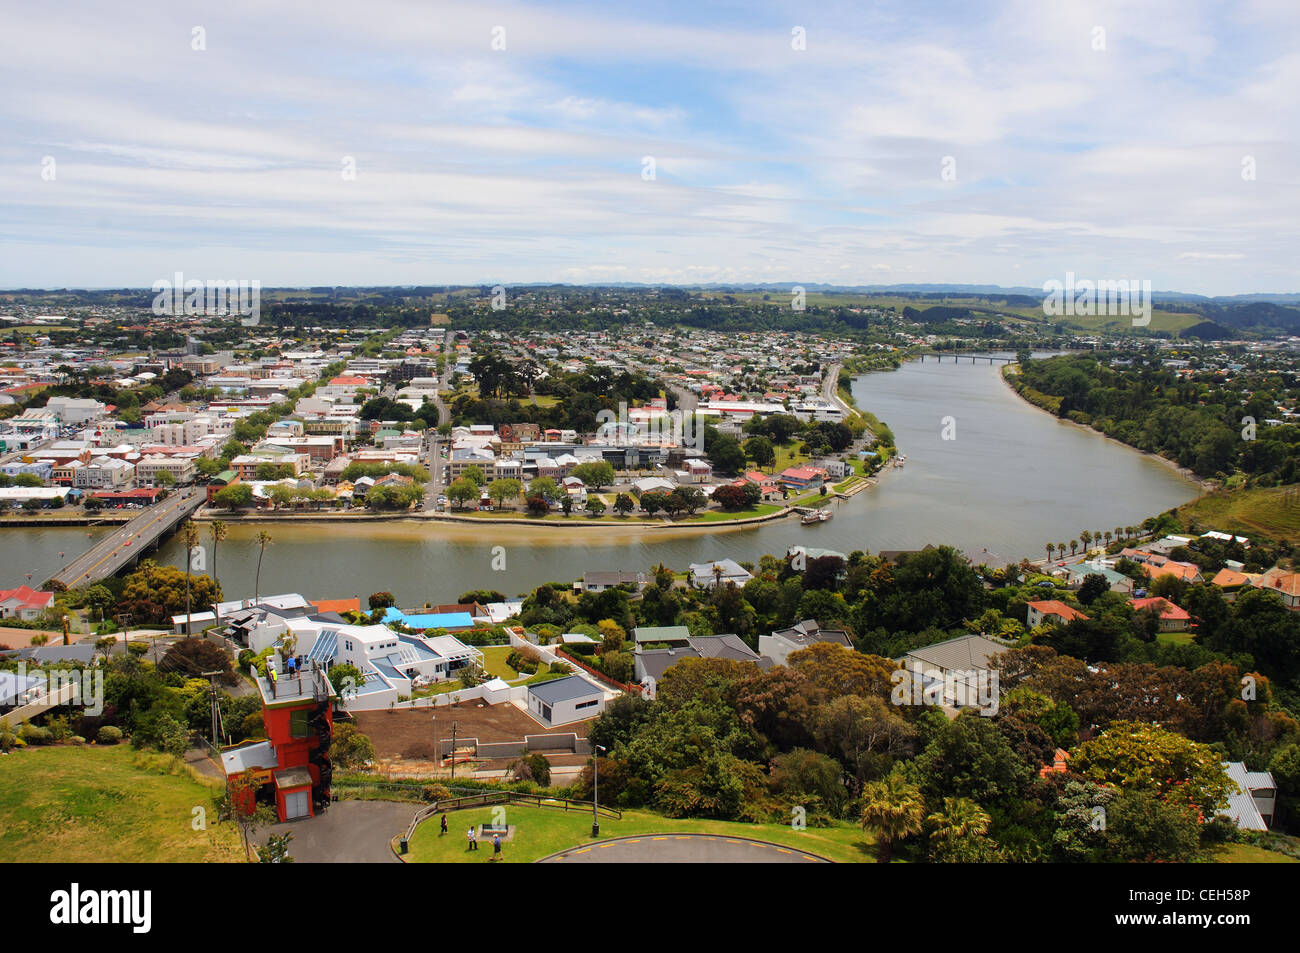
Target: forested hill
(1198, 418)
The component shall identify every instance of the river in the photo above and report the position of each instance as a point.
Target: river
(1012, 479)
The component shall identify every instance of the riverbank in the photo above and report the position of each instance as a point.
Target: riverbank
(1006, 372)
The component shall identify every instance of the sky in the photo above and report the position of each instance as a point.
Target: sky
(387, 142)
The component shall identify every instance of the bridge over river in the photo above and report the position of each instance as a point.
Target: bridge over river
(128, 542)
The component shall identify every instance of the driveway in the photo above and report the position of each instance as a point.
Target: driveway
(350, 832)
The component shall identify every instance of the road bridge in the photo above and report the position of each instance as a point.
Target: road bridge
(124, 546)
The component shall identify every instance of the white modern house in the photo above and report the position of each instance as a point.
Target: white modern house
(565, 700)
(1250, 805)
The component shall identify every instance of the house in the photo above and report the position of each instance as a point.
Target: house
(1251, 805)
(652, 663)
(718, 572)
(802, 478)
(1284, 583)
(1188, 572)
(24, 602)
(1117, 581)
(766, 484)
(667, 634)
(1052, 609)
(297, 714)
(1172, 618)
(565, 700)
(961, 664)
(600, 581)
(778, 646)
(1231, 582)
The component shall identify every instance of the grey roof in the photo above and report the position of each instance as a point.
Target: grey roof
(76, 652)
(654, 662)
(808, 632)
(238, 760)
(613, 578)
(964, 653)
(724, 646)
(564, 689)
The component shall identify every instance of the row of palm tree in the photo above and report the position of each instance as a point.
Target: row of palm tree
(1087, 538)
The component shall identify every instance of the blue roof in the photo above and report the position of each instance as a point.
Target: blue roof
(430, 620)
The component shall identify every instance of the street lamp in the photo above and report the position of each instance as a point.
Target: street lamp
(595, 790)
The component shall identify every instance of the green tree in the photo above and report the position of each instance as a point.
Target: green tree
(595, 474)
(892, 811)
(462, 491)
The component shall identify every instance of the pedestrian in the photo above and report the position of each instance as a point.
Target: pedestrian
(473, 844)
(496, 846)
(444, 825)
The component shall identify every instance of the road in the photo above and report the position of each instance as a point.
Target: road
(683, 849)
(118, 549)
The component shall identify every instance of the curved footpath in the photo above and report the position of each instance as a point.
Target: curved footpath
(683, 849)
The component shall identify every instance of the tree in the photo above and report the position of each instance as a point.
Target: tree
(276, 849)
(729, 497)
(350, 749)
(566, 504)
(263, 540)
(382, 600)
(462, 491)
(1145, 757)
(100, 598)
(725, 454)
(624, 504)
(595, 505)
(595, 474)
(760, 450)
(892, 810)
(191, 656)
(1094, 584)
(155, 593)
(1142, 826)
(219, 532)
(499, 491)
(544, 487)
(164, 478)
(957, 832)
(537, 505)
(475, 475)
(234, 497)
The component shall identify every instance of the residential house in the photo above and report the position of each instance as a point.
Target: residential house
(1251, 804)
(718, 572)
(1051, 609)
(24, 602)
(565, 700)
(1172, 618)
(801, 635)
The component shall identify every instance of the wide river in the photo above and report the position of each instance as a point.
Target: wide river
(1012, 479)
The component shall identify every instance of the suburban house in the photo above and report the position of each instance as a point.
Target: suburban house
(1283, 582)
(565, 700)
(297, 713)
(778, 646)
(667, 634)
(652, 663)
(1231, 582)
(802, 478)
(1117, 581)
(1250, 806)
(1052, 609)
(600, 581)
(1172, 618)
(963, 661)
(719, 572)
(24, 602)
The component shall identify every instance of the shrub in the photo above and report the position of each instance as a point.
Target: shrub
(434, 792)
(539, 767)
(8, 740)
(561, 668)
(109, 735)
(35, 735)
(524, 660)
(76, 740)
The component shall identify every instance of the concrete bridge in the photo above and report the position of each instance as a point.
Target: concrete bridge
(125, 545)
(973, 357)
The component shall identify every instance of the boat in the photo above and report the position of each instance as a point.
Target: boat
(809, 518)
(823, 515)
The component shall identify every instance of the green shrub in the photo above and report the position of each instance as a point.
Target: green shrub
(109, 735)
(434, 792)
(35, 735)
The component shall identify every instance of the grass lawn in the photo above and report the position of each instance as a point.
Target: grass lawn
(540, 831)
(1175, 638)
(1247, 854)
(494, 661)
(1256, 512)
(91, 804)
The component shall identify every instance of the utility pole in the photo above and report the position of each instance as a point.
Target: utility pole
(453, 750)
(216, 707)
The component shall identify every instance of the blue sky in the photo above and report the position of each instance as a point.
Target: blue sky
(771, 164)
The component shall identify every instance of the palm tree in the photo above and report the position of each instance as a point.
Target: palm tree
(893, 810)
(263, 538)
(1051, 548)
(39, 639)
(1106, 536)
(958, 825)
(1074, 544)
(1060, 549)
(190, 533)
(219, 533)
(1119, 531)
(1086, 537)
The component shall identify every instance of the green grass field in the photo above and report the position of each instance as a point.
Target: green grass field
(1247, 854)
(540, 831)
(90, 804)
(1259, 513)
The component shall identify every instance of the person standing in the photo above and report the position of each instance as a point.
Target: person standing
(473, 844)
(444, 825)
(496, 846)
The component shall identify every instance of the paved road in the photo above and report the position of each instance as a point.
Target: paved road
(683, 849)
(350, 832)
(116, 550)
